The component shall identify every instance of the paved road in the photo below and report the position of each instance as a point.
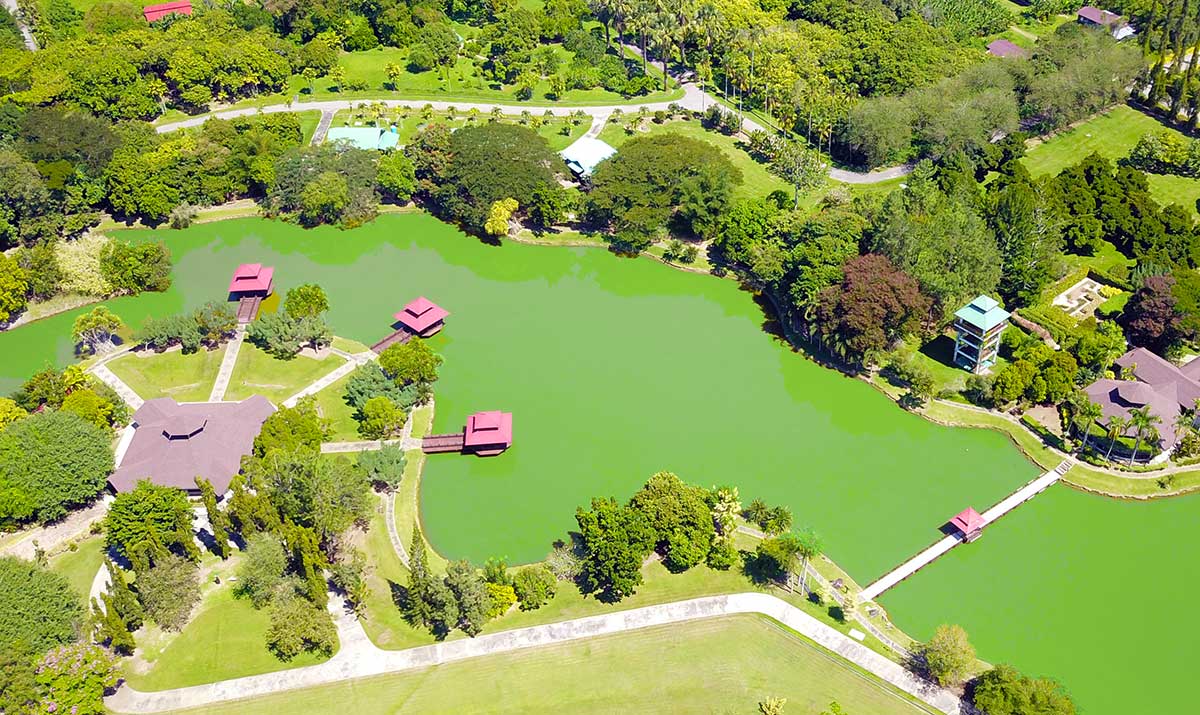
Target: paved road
(30, 43)
(359, 658)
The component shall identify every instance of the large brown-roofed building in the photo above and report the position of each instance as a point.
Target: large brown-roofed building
(173, 443)
(1158, 384)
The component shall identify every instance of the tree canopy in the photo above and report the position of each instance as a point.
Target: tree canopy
(38, 607)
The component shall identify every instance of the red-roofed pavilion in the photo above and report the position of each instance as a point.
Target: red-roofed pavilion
(423, 317)
(488, 433)
(153, 13)
(252, 279)
(969, 522)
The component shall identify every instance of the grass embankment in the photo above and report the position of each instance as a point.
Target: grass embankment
(719, 665)
(80, 566)
(258, 373)
(1112, 134)
(184, 377)
(226, 638)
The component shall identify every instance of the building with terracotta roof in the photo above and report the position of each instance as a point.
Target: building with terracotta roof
(154, 13)
(174, 443)
(488, 433)
(422, 316)
(1158, 385)
(977, 328)
(1006, 48)
(1116, 25)
(969, 523)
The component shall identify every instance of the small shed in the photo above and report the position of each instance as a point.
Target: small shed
(488, 433)
(1006, 48)
(365, 137)
(585, 154)
(969, 523)
(252, 279)
(154, 13)
(423, 317)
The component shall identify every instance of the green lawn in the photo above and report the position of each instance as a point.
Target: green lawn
(422, 418)
(257, 373)
(757, 181)
(186, 378)
(80, 566)
(308, 123)
(722, 665)
(409, 121)
(332, 405)
(226, 638)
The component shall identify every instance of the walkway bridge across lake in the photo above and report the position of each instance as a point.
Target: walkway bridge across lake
(439, 443)
(403, 335)
(929, 555)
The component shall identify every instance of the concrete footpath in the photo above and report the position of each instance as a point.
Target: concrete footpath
(359, 658)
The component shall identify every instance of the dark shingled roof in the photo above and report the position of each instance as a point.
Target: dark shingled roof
(1160, 385)
(174, 443)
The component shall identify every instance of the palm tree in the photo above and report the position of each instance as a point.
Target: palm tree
(1087, 415)
(1183, 423)
(808, 546)
(1116, 427)
(1143, 422)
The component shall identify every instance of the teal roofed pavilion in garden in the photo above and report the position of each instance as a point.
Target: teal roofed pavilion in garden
(977, 328)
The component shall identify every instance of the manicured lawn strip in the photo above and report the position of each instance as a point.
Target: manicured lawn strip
(422, 419)
(350, 346)
(331, 404)
(184, 377)
(717, 665)
(1091, 479)
(80, 566)
(1169, 189)
(407, 505)
(257, 373)
(226, 638)
(757, 181)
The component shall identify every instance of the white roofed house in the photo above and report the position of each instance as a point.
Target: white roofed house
(584, 155)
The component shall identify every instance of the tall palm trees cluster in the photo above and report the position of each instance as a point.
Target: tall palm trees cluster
(1172, 33)
(1084, 413)
(663, 26)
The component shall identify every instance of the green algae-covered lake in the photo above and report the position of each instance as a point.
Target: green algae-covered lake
(617, 368)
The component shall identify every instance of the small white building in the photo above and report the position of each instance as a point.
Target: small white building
(584, 154)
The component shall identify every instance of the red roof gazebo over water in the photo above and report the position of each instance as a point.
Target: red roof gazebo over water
(488, 433)
(969, 522)
(251, 279)
(422, 316)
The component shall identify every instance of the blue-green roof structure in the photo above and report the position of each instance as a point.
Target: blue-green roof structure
(365, 137)
(983, 313)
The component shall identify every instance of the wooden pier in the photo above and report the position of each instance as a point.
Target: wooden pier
(929, 555)
(248, 307)
(403, 335)
(439, 443)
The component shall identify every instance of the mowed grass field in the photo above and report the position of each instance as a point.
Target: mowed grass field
(1112, 135)
(725, 665)
(258, 373)
(186, 378)
(80, 566)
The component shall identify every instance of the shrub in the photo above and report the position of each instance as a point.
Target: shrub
(534, 586)
(501, 597)
(169, 590)
(261, 572)
(298, 626)
(73, 679)
(37, 606)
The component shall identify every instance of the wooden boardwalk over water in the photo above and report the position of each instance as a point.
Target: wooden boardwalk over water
(248, 308)
(438, 443)
(403, 335)
(929, 555)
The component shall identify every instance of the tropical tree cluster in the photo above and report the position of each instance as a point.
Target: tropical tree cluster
(208, 326)
(300, 324)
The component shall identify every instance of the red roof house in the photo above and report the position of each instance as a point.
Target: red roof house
(488, 433)
(969, 522)
(153, 13)
(174, 443)
(252, 279)
(422, 316)
(1005, 48)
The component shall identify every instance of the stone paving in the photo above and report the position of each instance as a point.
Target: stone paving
(324, 381)
(108, 377)
(227, 364)
(50, 537)
(359, 658)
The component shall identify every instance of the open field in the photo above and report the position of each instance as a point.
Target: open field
(258, 373)
(712, 666)
(183, 377)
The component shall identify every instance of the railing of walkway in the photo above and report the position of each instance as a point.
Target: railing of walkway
(793, 584)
